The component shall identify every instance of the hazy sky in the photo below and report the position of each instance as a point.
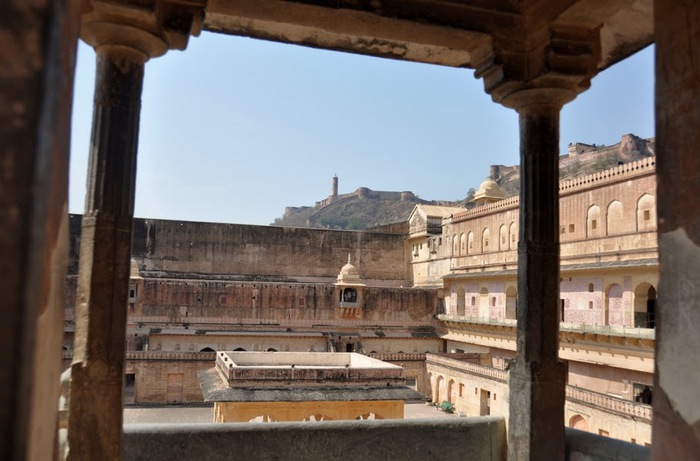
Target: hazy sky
(234, 129)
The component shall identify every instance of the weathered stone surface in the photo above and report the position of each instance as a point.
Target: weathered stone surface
(676, 425)
(105, 259)
(454, 439)
(537, 380)
(38, 41)
(186, 249)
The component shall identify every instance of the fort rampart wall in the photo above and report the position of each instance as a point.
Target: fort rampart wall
(182, 249)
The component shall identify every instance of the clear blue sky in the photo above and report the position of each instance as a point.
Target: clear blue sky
(234, 129)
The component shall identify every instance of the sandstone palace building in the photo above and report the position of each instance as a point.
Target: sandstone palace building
(542, 314)
(439, 298)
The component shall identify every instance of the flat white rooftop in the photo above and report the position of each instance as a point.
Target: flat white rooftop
(299, 376)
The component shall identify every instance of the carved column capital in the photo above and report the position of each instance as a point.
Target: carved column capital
(145, 29)
(550, 74)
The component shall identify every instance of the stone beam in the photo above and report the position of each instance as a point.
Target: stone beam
(124, 36)
(676, 425)
(344, 29)
(38, 41)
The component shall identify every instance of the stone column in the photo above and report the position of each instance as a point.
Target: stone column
(37, 61)
(124, 36)
(676, 424)
(537, 379)
(105, 252)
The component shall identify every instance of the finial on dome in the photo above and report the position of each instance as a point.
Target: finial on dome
(349, 261)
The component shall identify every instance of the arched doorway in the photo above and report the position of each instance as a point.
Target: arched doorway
(451, 397)
(578, 422)
(484, 302)
(613, 314)
(439, 389)
(511, 303)
(433, 387)
(645, 306)
(460, 301)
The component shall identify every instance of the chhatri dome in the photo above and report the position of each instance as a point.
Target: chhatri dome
(349, 275)
(489, 192)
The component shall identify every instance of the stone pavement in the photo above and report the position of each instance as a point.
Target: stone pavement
(182, 414)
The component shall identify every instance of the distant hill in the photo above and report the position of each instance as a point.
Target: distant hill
(366, 208)
(362, 209)
(582, 159)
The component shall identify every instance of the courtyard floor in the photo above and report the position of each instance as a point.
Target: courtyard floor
(183, 414)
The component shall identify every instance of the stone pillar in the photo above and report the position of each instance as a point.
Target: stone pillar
(537, 379)
(676, 424)
(95, 418)
(124, 37)
(37, 62)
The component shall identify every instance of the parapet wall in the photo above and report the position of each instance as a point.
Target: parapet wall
(182, 249)
(233, 301)
(612, 175)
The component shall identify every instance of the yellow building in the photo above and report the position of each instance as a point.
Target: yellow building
(299, 386)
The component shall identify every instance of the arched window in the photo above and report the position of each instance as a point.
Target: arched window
(590, 288)
(493, 302)
(593, 224)
(470, 243)
(462, 244)
(614, 314)
(578, 422)
(349, 295)
(485, 240)
(646, 213)
(615, 218)
(460, 301)
(503, 238)
(645, 306)
(511, 303)
(455, 246)
(513, 236)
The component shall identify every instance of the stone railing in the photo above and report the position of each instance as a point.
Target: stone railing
(617, 173)
(170, 355)
(398, 357)
(471, 368)
(478, 320)
(607, 330)
(160, 355)
(617, 405)
(510, 202)
(163, 319)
